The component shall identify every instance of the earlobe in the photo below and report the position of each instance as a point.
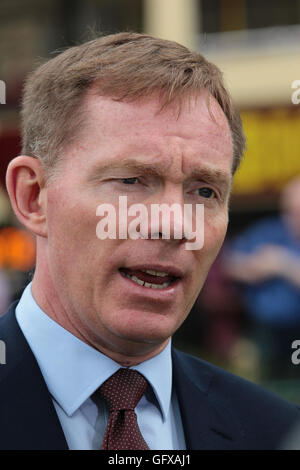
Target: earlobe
(27, 191)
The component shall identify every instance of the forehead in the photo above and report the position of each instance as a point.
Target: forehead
(199, 113)
(197, 129)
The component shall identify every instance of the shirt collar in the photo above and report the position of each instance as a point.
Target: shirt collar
(158, 372)
(72, 369)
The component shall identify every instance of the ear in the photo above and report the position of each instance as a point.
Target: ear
(26, 188)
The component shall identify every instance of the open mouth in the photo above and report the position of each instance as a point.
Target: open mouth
(150, 278)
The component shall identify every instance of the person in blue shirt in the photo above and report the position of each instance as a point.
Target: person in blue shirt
(266, 260)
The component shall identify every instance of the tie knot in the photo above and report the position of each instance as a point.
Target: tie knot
(124, 389)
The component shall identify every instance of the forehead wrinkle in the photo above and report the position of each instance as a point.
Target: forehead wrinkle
(158, 169)
(184, 161)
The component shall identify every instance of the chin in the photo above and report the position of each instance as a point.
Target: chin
(144, 330)
(140, 335)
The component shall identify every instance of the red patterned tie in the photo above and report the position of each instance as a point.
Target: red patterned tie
(122, 392)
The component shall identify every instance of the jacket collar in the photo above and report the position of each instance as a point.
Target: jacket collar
(207, 416)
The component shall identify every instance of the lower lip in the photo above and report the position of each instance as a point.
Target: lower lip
(165, 293)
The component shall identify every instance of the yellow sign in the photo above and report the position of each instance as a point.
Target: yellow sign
(272, 157)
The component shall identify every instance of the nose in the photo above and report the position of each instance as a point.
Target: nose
(165, 215)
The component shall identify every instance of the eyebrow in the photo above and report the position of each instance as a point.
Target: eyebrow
(208, 174)
(211, 175)
(128, 164)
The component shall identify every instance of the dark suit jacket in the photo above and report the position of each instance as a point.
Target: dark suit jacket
(219, 410)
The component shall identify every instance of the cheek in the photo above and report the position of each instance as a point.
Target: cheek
(215, 229)
(214, 234)
(70, 216)
(71, 233)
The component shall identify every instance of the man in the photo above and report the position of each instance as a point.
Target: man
(266, 260)
(124, 115)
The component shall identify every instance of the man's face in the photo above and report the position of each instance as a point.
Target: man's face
(131, 149)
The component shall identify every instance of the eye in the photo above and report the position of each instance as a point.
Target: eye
(206, 192)
(129, 180)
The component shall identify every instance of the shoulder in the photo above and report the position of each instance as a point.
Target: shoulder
(24, 396)
(17, 353)
(257, 409)
(238, 387)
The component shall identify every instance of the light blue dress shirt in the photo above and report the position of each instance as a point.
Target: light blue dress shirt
(73, 371)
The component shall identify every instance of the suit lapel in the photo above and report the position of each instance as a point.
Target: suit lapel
(27, 415)
(29, 421)
(207, 417)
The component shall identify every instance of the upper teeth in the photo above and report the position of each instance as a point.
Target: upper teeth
(155, 273)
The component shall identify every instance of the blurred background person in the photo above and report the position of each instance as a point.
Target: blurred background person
(266, 260)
